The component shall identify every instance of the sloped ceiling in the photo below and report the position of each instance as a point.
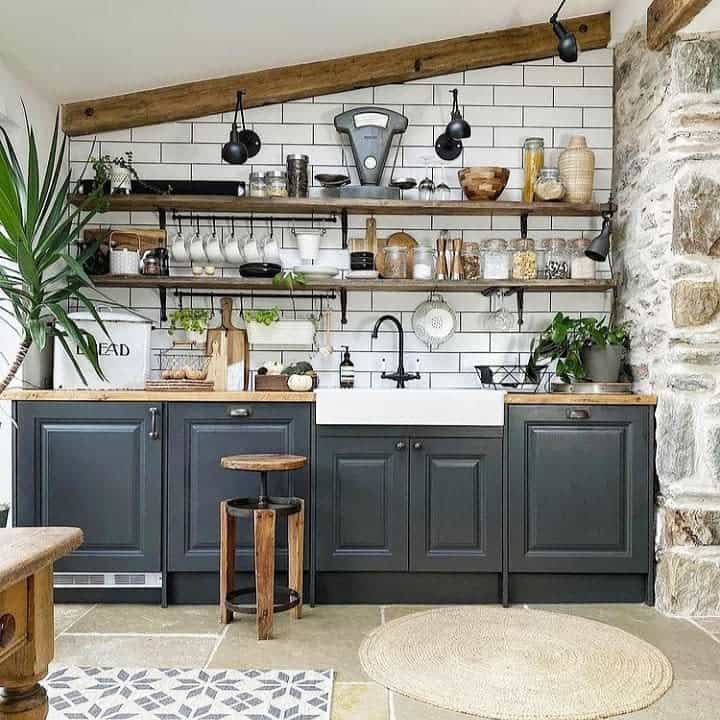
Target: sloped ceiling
(78, 49)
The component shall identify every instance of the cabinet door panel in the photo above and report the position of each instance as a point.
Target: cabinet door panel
(579, 490)
(455, 505)
(199, 436)
(362, 504)
(93, 466)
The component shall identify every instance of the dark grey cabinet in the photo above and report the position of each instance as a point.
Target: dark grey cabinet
(362, 503)
(455, 501)
(199, 434)
(579, 485)
(96, 466)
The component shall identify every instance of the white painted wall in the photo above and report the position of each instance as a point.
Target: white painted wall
(41, 111)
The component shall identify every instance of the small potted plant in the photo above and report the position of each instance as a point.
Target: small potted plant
(266, 327)
(4, 513)
(586, 349)
(193, 322)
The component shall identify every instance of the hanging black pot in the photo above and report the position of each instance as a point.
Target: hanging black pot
(447, 148)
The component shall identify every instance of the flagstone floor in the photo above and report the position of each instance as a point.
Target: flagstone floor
(329, 637)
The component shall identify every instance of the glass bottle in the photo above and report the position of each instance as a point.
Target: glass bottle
(557, 266)
(472, 267)
(423, 263)
(496, 260)
(533, 161)
(395, 263)
(581, 266)
(524, 259)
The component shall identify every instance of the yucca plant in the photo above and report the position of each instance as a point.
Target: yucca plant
(38, 275)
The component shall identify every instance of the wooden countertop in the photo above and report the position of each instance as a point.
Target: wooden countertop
(27, 550)
(579, 399)
(156, 396)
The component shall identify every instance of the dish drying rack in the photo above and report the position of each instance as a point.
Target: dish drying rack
(513, 377)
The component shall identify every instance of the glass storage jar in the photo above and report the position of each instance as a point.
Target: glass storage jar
(548, 186)
(395, 263)
(257, 187)
(557, 266)
(423, 263)
(541, 248)
(581, 266)
(533, 161)
(524, 264)
(496, 260)
(472, 266)
(276, 181)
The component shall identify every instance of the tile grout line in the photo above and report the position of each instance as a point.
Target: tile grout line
(77, 620)
(143, 635)
(221, 637)
(692, 621)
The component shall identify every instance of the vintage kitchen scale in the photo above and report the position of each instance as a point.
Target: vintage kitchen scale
(371, 131)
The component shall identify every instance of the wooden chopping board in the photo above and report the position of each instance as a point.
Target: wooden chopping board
(132, 238)
(398, 239)
(238, 349)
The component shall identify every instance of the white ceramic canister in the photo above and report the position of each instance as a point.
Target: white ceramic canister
(308, 244)
(124, 262)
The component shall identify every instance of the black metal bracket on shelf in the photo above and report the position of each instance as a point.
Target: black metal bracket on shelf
(519, 294)
(344, 228)
(162, 215)
(524, 226)
(343, 306)
(194, 217)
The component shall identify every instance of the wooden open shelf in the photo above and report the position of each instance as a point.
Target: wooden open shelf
(289, 206)
(189, 282)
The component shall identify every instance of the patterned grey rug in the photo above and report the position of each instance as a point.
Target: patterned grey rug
(89, 693)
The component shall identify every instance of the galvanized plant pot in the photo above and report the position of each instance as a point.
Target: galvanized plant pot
(603, 364)
(4, 513)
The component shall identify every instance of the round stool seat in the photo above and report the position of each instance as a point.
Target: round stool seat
(263, 463)
(245, 507)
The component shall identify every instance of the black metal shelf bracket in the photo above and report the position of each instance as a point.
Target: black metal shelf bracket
(344, 228)
(162, 217)
(524, 226)
(343, 306)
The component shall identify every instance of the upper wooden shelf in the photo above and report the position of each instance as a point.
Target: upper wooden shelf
(288, 206)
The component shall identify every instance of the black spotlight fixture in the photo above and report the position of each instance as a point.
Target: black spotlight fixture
(448, 145)
(567, 43)
(599, 248)
(243, 144)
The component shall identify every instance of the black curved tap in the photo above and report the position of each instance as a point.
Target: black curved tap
(399, 376)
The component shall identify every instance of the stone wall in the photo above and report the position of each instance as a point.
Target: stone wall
(667, 254)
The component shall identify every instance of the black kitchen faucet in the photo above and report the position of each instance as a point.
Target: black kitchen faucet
(399, 376)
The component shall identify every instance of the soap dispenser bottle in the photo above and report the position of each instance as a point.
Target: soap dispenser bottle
(347, 370)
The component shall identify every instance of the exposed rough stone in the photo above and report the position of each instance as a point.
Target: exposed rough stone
(691, 383)
(695, 355)
(711, 454)
(694, 303)
(676, 433)
(683, 268)
(696, 221)
(682, 526)
(696, 66)
(688, 581)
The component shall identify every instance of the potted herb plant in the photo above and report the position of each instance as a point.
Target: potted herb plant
(193, 322)
(585, 349)
(4, 514)
(114, 174)
(266, 327)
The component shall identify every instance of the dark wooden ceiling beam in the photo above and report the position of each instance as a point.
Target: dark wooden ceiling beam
(666, 17)
(266, 87)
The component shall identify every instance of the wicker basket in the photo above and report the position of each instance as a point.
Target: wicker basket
(577, 168)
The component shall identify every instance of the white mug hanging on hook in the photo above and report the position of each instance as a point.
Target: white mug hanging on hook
(179, 247)
(213, 247)
(233, 246)
(271, 249)
(197, 247)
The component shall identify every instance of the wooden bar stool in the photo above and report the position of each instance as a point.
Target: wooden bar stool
(263, 509)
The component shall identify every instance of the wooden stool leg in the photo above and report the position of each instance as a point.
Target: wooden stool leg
(264, 571)
(296, 540)
(227, 560)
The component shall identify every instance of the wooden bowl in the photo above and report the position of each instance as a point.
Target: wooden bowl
(483, 183)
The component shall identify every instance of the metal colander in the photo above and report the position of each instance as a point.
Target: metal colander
(434, 321)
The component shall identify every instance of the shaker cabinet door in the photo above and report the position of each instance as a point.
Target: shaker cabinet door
(200, 434)
(455, 504)
(579, 482)
(96, 466)
(362, 503)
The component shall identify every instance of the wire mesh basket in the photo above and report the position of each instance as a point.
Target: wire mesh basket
(181, 364)
(513, 377)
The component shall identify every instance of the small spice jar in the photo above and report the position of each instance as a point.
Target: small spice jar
(541, 250)
(548, 186)
(423, 263)
(472, 267)
(257, 187)
(496, 260)
(276, 181)
(524, 265)
(581, 266)
(533, 161)
(395, 263)
(557, 266)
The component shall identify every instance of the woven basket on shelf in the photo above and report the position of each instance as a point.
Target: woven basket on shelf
(577, 167)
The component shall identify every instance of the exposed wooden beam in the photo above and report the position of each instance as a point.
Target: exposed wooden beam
(666, 17)
(265, 87)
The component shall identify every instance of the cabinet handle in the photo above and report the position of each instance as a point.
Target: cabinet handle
(400, 445)
(417, 445)
(240, 412)
(154, 434)
(578, 414)
(7, 629)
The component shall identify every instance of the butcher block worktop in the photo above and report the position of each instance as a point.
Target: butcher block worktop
(156, 396)
(579, 399)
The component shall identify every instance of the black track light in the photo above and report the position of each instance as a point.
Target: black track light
(599, 248)
(567, 43)
(243, 144)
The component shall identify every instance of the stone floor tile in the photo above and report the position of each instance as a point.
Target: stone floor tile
(327, 637)
(68, 614)
(359, 701)
(182, 619)
(406, 708)
(712, 625)
(133, 651)
(393, 612)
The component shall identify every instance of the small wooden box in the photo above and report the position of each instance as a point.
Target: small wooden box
(271, 383)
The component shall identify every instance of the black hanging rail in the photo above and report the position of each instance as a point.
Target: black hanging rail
(192, 218)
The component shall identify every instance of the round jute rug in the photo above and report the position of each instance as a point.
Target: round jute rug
(516, 664)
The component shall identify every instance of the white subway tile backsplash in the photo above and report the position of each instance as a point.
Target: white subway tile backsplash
(142, 152)
(598, 76)
(191, 153)
(583, 97)
(596, 137)
(598, 117)
(467, 95)
(502, 75)
(514, 137)
(537, 96)
(493, 116)
(406, 94)
(502, 157)
(553, 75)
(361, 95)
(552, 117)
(167, 132)
(593, 57)
(309, 113)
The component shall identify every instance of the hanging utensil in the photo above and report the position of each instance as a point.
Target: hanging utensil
(434, 321)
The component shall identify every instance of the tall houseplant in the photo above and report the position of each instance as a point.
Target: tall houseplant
(38, 275)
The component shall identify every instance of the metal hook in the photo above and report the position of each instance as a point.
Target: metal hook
(212, 306)
(271, 228)
(232, 227)
(213, 226)
(252, 229)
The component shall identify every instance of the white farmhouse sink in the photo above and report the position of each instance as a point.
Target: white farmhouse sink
(409, 407)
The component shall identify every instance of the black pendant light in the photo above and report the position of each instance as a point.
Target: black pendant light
(567, 43)
(458, 128)
(243, 144)
(599, 248)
